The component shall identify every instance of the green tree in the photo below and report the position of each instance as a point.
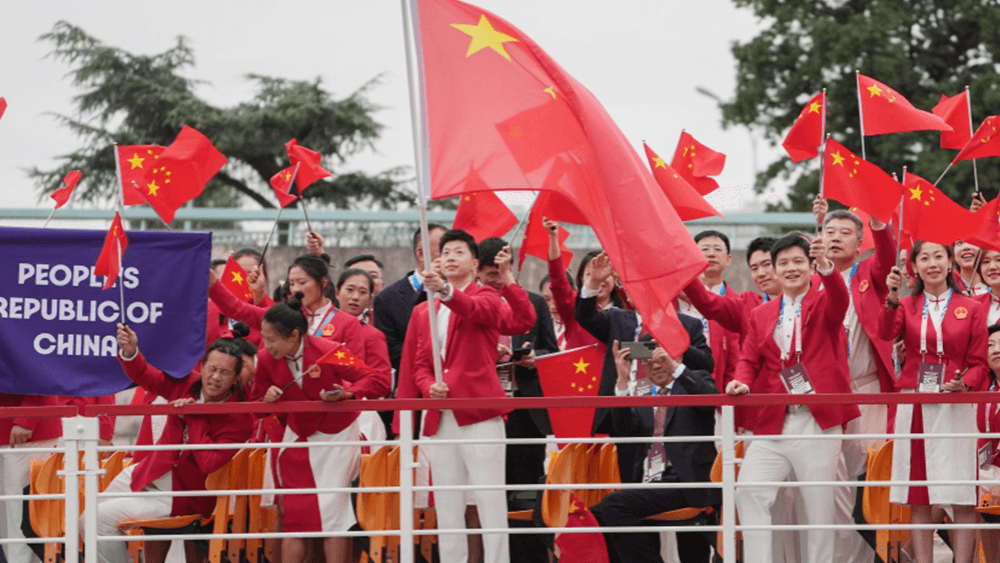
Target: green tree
(921, 48)
(145, 99)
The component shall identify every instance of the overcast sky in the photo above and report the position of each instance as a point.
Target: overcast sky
(643, 60)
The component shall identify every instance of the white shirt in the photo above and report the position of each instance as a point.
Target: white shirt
(937, 317)
(979, 289)
(318, 316)
(630, 390)
(861, 359)
(993, 314)
(785, 329)
(443, 315)
(295, 366)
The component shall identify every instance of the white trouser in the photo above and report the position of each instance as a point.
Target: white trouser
(470, 464)
(113, 511)
(17, 474)
(773, 461)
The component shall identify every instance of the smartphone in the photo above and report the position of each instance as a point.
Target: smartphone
(639, 350)
(519, 353)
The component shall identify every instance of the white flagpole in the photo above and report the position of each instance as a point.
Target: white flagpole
(968, 103)
(121, 277)
(861, 114)
(421, 150)
(143, 196)
(51, 214)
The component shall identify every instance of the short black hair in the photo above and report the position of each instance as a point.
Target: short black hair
(350, 273)
(287, 317)
(993, 328)
(281, 292)
(431, 227)
(488, 250)
(459, 234)
(218, 262)
(363, 258)
(788, 241)
(758, 244)
(711, 233)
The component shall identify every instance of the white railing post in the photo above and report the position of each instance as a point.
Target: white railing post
(75, 430)
(729, 484)
(406, 467)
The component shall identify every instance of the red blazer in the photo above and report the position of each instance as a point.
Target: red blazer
(868, 290)
(565, 298)
(376, 351)
(7, 424)
(219, 324)
(994, 425)
(188, 468)
(363, 383)
(518, 316)
(346, 329)
(49, 428)
(723, 341)
(732, 313)
(469, 366)
(965, 338)
(824, 355)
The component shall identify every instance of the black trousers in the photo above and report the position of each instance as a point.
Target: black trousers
(628, 508)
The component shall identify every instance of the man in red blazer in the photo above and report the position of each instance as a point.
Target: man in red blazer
(869, 356)
(468, 323)
(795, 344)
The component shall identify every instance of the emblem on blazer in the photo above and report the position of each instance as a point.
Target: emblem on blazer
(314, 372)
(961, 313)
(328, 329)
(863, 286)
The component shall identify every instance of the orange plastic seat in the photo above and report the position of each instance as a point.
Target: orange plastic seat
(877, 508)
(716, 477)
(48, 516)
(256, 465)
(112, 466)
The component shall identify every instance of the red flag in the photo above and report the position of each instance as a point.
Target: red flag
(281, 183)
(986, 233)
(883, 110)
(855, 182)
(234, 278)
(536, 240)
(341, 356)
(134, 161)
(3, 106)
(688, 203)
(551, 203)
(310, 169)
(806, 135)
(695, 162)
(577, 547)
(573, 373)
(930, 215)
(498, 103)
(483, 215)
(956, 113)
(181, 172)
(109, 261)
(63, 194)
(985, 142)
(866, 238)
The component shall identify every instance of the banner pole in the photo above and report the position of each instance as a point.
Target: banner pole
(421, 149)
(121, 278)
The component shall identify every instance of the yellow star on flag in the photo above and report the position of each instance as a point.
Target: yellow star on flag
(551, 90)
(340, 355)
(837, 159)
(152, 188)
(237, 277)
(916, 192)
(581, 366)
(483, 36)
(659, 163)
(874, 90)
(135, 161)
(814, 107)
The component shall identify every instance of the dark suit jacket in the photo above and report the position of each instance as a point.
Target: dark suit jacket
(393, 307)
(543, 341)
(620, 324)
(691, 461)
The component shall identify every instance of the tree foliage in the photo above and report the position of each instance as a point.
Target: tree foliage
(145, 99)
(921, 48)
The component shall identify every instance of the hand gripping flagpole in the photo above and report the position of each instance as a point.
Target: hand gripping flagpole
(421, 150)
(274, 227)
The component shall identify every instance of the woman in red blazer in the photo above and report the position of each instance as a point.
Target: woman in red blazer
(288, 370)
(989, 269)
(309, 275)
(215, 380)
(945, 337)
(564, 295)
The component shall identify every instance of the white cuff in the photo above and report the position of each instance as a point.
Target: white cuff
(587, 293)
(626, 392)
(827, 272)
(134, 354)
(451, 293)
(872, 227)
(678, 371)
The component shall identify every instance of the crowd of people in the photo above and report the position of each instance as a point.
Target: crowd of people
(822, 321)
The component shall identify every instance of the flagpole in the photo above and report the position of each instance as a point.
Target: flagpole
(301, 198)
(421, 150)
(950, 164)
(513, 237)
(968, 104)
(50, 215)
(899, 227)
(861, 114)
(143, 196)
(822, 169)
(270, 235)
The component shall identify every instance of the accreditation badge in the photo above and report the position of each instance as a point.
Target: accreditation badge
(930, 378)
(796, 380)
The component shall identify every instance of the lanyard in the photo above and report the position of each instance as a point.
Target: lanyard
(923, 327)
(798, 331)
(766, 298)
(326, 320)
(415, 283)
(850, 279)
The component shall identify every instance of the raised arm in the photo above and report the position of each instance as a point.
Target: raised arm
(233, 308)
(520, 315)
(884, 258)
(146, 376)
(727, 312)
(892, 320)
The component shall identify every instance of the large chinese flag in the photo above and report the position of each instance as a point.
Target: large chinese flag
(483, 215)
(930, 215)
(688, 203)
(985, 142)
(234, 278)
(883, 110)
(499, 104)
(181, 172)
(109, 261)
(696, 162)
(987, 226)
(134, 161)
(855, 182)
(806, 135)
(955, 112)
(573, 373)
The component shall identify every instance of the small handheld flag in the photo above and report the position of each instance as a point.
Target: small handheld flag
(234, 278)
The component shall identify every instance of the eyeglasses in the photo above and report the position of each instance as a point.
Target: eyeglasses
(211, 370)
